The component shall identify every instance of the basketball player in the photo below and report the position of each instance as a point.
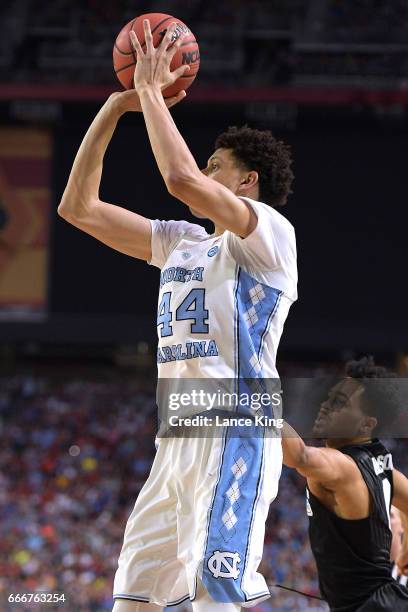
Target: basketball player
(197, 528)
(350, 486)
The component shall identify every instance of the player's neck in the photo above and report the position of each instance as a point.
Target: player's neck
(339, 442)
(218, 231)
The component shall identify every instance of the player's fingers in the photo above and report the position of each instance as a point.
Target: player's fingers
(174, 48)
(148, 36)
(172, 101)
(136, 44)
(180, 71)
(168, 37)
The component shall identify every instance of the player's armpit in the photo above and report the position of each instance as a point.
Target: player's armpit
(118, 228)
(214, 201)
(400, 497)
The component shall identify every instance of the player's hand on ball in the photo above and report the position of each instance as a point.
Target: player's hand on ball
(128, 101)
(153, 66)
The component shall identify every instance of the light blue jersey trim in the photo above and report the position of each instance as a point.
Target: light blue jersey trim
(258, 495)
(231, 518)
(256, 304)
(236, 343)
(267, 327)
(211, 507)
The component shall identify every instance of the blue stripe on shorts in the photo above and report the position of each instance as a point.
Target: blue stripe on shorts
(231, 516)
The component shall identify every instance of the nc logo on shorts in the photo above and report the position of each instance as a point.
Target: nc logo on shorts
(213, 251)
(185, 255)
(224, 564)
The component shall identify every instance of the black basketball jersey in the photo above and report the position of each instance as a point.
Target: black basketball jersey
(353, 556)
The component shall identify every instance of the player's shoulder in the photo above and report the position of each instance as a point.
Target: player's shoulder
(193, 230)
(179, 229)
(266, 211)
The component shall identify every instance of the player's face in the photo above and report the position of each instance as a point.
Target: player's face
(340, 415)
(223, 168)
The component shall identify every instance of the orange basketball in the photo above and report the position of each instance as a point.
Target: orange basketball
(124, 57)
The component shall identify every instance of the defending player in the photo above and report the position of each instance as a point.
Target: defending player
(197, 528)
(350, 486)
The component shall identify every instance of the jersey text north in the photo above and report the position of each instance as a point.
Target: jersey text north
(180, 275)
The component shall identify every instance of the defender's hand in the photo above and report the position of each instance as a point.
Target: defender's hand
(128, 101)
(153, 67)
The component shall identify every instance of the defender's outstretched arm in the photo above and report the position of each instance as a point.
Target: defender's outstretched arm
(325, 465)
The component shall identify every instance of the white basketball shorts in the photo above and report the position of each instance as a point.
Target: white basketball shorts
(201, 512)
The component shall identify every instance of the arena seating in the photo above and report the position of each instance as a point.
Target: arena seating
(267, 43)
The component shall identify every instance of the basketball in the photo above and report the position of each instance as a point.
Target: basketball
(124, 56)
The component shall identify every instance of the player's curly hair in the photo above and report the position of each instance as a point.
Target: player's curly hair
(261, 151)
(382, 398)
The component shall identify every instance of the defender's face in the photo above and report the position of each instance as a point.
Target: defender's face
(341, 415)
(223, 168)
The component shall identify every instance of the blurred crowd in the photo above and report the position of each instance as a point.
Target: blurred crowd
(73, 458)
(75, 453)
(369, 21)
(252, 42)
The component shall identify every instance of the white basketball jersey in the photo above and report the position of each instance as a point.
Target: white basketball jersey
(223, 300)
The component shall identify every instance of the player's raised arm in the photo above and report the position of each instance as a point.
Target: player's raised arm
(178, 168)
(81, 206)
(325, 465)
